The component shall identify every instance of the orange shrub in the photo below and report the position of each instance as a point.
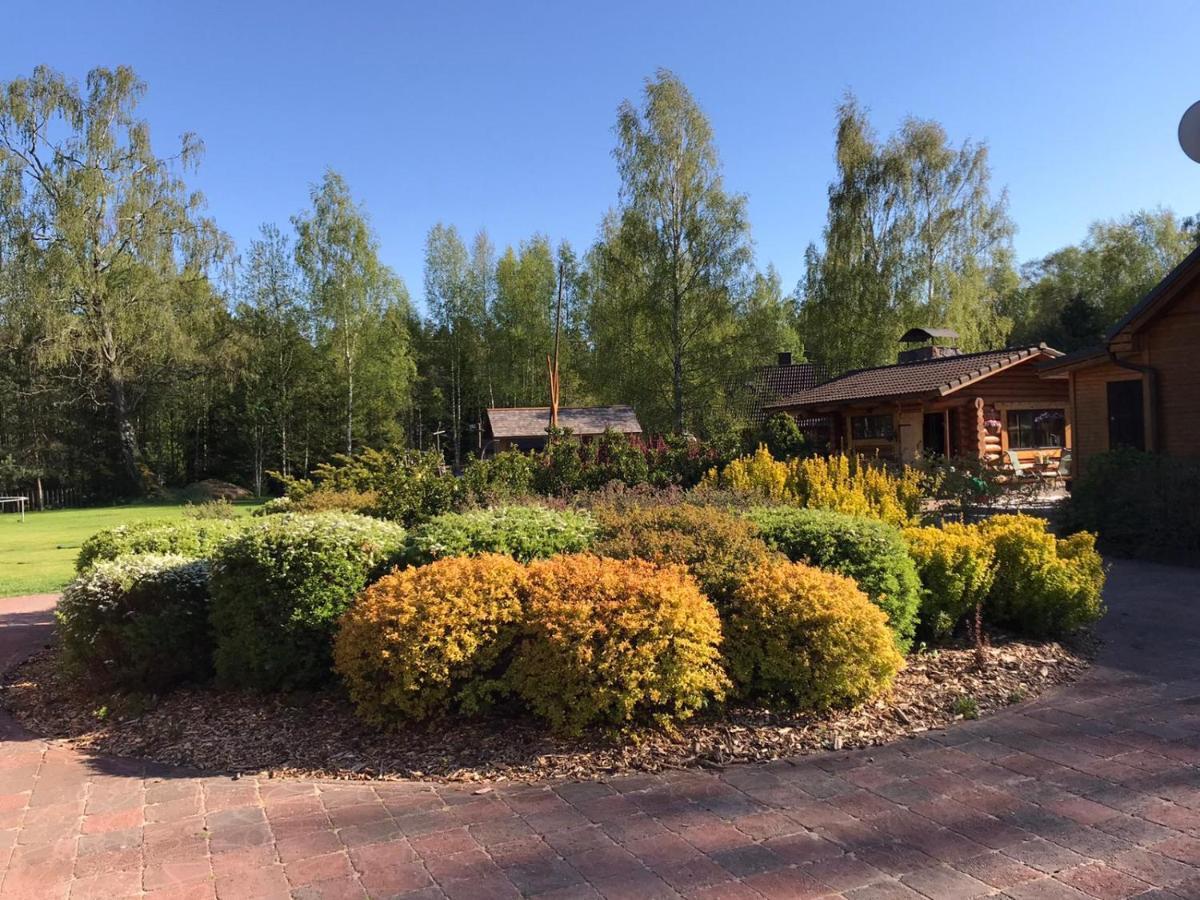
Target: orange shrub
(423, 641)
(612, 641)
(807, 639)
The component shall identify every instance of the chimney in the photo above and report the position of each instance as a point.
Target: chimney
(785, 358)
(931, 349)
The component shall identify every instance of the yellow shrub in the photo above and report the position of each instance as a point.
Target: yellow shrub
(612, 641)
(422, 641)
(1043, 586)
(855, 485)
(807, 639)
(956, 565)
(848, 484)
(759, 475)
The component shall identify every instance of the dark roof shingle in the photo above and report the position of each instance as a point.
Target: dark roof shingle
(932, 376)
(532, 421)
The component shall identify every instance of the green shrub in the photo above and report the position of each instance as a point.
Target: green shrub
(406, 486)
(806, 639)
(871, 552)
(428, 640)
(193, 538)
(139, 622)
(781, 435)
(279, 588)
(417, 487)
(348, 501)
(522, 532)
(956, 564)
(717, 548)
(502, 478)
(1139, 504)
(1043, 586)
(612, 642)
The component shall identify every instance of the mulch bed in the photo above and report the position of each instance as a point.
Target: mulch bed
(316, 735)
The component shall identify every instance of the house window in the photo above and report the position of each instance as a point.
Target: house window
(872, 428)
(1036, 429)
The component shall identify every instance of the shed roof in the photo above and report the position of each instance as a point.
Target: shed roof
(939, 376)
(532, 421)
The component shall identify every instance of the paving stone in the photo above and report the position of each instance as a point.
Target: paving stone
(1090, 791)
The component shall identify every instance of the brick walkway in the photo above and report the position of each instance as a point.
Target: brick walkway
(1093, 791)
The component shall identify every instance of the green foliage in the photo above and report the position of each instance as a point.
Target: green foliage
(871, 552)
(139, 622)
(560, 466)
(1072, 296)
(353, 298)
(1139, 504)
(966, 706)
(914, 236)
(782, 437)
(957, 566)
(669, 270)
(502, 478)
(106, 250)
(279, 588)
(802, 638)
(612, 642)
(717, 548)
(349, 501)
(1043, 586)
(406, 486)
(430, 640)
(193, 538)
(522, 532)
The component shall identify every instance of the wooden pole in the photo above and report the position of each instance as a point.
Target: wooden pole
(552, 364)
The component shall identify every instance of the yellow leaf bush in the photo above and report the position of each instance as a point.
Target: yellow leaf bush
(847, 484)
(613, 642)
(807, 639)
(1043, 586)
(956, 564)
(717, 548)
(424, 641)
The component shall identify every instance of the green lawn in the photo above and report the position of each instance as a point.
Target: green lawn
(38, 556)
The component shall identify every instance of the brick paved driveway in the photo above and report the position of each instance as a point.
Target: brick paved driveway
(1093, 791)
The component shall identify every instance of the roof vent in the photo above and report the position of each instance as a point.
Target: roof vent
(931, 349)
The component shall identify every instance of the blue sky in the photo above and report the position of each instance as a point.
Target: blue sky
(499, 115)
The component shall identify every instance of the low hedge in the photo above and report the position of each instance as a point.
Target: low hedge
(613, 642)
(718, 548)
(1043, 586)
(139, 622)
(194, 538)
(522, 532)
(426, 641)
(871, 552)
(956, 564)
(1139, 504)
(279, 587)
(798, 637)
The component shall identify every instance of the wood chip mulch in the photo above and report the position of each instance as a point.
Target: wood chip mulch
(316, 735)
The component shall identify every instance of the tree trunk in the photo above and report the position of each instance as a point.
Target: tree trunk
(131, 457)
(677, 364)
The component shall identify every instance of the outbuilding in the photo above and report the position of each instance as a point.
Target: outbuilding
(524, 427)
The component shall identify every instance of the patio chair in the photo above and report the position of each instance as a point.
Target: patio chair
(1025, 472)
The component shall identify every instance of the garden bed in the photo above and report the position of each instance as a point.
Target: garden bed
(317, 735)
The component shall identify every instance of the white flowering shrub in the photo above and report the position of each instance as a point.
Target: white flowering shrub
(139, 623)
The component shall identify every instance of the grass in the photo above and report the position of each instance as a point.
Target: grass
(38, 555)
